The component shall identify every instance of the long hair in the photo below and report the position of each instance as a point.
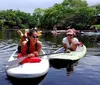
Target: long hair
(31, 31)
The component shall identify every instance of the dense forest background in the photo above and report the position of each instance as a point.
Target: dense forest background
(74, 13)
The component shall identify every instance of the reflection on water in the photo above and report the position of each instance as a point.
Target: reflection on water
(85, 72)
(70, 68)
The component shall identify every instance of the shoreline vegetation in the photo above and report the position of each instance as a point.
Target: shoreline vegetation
(74, 13)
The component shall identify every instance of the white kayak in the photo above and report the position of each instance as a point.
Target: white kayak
(73, 55)
(27, 70)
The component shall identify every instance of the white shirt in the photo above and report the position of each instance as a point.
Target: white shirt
(74, 40)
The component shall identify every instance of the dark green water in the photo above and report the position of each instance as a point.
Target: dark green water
(86, 72)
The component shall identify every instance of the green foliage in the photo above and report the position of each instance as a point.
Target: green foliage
(80, 26)
(98, 9)
(75, 3)
(23, 26)
(15, 18)
(83, 15)
(1, 22)
(69, 12)
(96, 26)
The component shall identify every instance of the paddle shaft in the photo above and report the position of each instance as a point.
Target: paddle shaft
(17, 61)
(51, 53)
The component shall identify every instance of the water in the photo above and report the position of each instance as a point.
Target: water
(86, 71)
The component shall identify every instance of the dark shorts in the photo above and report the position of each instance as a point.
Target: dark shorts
(19, 48)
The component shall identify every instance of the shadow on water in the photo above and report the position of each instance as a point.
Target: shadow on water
(67, 64)
(26, 81)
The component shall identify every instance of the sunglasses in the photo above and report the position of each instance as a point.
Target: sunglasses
(34, 36)
(69, 35)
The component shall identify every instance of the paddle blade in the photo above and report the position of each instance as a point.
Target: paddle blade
(17, 61)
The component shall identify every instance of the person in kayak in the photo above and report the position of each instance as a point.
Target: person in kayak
(24, 37)
(32, 46)
(70, 42)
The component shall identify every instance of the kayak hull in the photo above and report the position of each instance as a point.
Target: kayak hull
(26, 81)
(61, 63)
(27, 72)
(63, 59)
(73, 55)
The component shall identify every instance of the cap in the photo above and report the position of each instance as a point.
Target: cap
(70, 31)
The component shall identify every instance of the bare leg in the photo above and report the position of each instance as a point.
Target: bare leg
(20, 33)
(26, 32)
(65, 46)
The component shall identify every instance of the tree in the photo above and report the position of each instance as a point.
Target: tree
(75, 3)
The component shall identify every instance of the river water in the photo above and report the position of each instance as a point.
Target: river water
(85, 72)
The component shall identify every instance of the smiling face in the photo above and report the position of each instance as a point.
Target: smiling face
(33, 36)
(69, 36)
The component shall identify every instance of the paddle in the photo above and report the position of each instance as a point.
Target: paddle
(14, 62)
(51, 53)
(17, 61)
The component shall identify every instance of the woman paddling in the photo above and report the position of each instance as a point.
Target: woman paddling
(29, 44)
(70, 42)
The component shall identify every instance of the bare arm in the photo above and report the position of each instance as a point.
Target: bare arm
(65, 46)
(20, 33)
(74, 46)
(39, 47)
(24, 48)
